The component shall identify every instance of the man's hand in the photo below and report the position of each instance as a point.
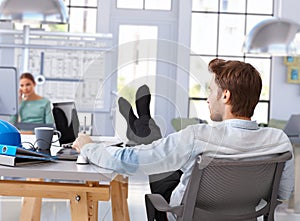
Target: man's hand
(81, 141)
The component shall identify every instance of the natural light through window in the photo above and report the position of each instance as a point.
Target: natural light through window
(218, 30)
(145, 4)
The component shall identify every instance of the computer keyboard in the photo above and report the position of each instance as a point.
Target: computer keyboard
(67, 154)
(67, 145)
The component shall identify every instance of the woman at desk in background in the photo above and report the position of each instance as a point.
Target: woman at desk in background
(33, 108)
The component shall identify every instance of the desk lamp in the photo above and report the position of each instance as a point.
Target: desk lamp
(273, 36)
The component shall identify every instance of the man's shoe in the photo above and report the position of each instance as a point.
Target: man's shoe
(142, 101)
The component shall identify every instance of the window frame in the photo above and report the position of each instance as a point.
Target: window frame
(242, 57)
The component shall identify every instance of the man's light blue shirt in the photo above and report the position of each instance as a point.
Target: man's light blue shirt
(234, 139)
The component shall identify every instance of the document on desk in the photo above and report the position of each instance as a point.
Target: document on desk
(14, 156)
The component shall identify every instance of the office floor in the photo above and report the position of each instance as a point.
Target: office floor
(58, 210)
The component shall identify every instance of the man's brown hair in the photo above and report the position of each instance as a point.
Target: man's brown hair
(242, 80)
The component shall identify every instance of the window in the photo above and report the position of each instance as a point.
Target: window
(140, 33)
(82, 15)
(218, 30)
(145, 4)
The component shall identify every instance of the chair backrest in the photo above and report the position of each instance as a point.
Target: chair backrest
(231, 189)
(66, 121)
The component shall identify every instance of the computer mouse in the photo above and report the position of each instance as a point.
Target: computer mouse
(82, 160)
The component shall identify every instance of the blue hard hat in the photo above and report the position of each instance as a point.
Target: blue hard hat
(9, 134)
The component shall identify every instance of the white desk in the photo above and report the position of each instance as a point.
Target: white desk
(98, 185)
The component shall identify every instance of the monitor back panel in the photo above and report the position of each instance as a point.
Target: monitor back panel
(292, 128)
(66, 121)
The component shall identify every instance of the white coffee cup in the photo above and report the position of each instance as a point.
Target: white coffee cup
(44, 135)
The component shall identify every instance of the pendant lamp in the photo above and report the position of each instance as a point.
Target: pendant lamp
(273, 36)
(33, 11)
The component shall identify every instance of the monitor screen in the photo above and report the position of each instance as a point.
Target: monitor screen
(66, 121)
(8, 91)
(292, 128)
(30, 126)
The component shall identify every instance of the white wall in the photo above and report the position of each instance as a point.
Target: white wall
(6, 54)
(285, 97)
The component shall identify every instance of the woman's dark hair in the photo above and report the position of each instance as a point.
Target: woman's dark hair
(27, 76)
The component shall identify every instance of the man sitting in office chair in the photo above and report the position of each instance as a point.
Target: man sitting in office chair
(234, 93)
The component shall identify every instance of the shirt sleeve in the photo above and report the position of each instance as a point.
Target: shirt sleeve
(287, 181)
(163, 155)
(13, 119)
(48, 114)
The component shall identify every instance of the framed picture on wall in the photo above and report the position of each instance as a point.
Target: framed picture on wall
(293, 69)
(293, 75)
(290, 60)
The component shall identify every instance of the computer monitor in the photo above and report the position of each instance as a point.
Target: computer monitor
(8, 91)
(66, 121)
(292, 128)
(30, 126)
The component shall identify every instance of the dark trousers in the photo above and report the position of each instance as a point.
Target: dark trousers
(164, 187)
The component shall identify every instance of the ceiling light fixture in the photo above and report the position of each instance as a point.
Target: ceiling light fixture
(32, 11)
(273, 36)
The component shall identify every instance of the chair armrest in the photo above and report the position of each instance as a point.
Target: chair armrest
(162, 205)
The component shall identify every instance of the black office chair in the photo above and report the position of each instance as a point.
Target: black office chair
(227, 190)
(69, 132)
